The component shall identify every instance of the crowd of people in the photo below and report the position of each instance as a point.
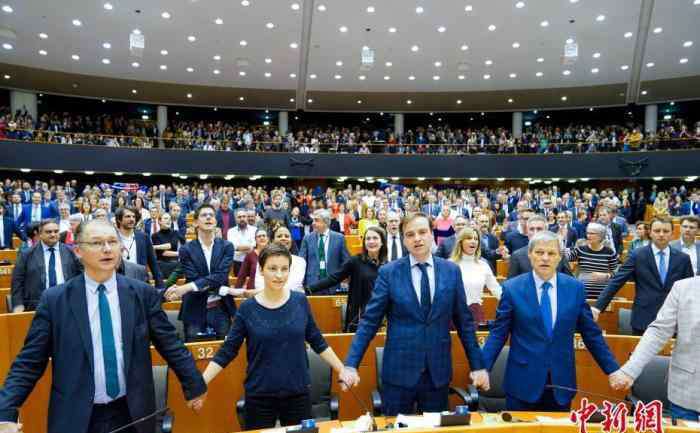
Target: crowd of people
(118, 131)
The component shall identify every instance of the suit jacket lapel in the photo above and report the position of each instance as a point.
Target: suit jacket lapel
(561, 298)
(652, 265)
(200, 252)
(531, 298)
(78, 305)
(127, 308)
(65, 259)
(39, 252)
(408, 282)
(216, 252)
(439, 291)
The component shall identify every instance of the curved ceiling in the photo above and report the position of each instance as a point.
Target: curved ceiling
(315, 45)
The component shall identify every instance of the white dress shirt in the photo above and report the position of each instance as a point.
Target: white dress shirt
(475, 276)
(129, 245)
(59, 268)
(390, 240)
(238, 238)
(416, 276)
(690, 250)
(2, 231)
(36, 213)
(667, 257)
(552, 294)
(93, 309)
(295, 282)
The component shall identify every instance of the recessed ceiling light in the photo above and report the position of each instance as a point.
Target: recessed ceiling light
(293, 45)
(75, 57)
(513, 75)
(337, 76)
(658, 30)
(163, 67)
(189, 95)
(492, 27)
(510, 100)
(392, 29)
(291, 99)
(459, 101)
(362, 77)
(415, 48)
(411, 77)
(292, 75)
(106, 61)
(544, 23)
(191, 38)
(241, 98)
(321, 8)
(437, 64)
(77, 23)
(343, 29)
(409, 102)
(651, 65)
(165, 15)
(516, 44)
(566, 72)
(268, 74)
(540, 59)
(595, 70)
(270, 25)
(564, 98)
(163, 52)
(596, 55)
(570, 41)
(243, 43)
(672, 103)
(520, 5)
(7, 77)
(43, 36)
(687, 44)
(436, 77)
(216, 72)
(370, 9)
(487, 76)
(108, 6)
(190, 69)
(468, 8)
(442, 29)
(488, 62)
(461, 77)
(136, 31)
(696, 2)
(245, 3)
(310, 101)
(628, 35)
(43, 52)
(295, 6)
(359, 101)
(419, 10)
(600, 18)
(242, 73)
(134, 91)
(464, 47)
(217, 57)
(268, 60)
(135, 64)
(313, 76)
(218, 21)
(539, 74)
(644, 92)
(684, 60)
(7, 9)
(624, 67)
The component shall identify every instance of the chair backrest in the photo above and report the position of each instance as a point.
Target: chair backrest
(320, 373)
(379, 358)
(8, 301)
(343, 314)
(652, 384)
(494, 400)
(160, 382)
(624, 321)
(177, 323)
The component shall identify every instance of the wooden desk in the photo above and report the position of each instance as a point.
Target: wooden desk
(10, 255)
(3, 303)
(6, 276)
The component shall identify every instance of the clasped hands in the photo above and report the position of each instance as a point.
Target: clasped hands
(175, 292)
(197, 403)
(349, 378)
(619, 380)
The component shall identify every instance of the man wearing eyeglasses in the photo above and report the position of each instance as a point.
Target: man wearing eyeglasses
(97, 329)
(46, 264)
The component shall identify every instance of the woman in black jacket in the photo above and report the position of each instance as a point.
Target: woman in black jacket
(362, 270)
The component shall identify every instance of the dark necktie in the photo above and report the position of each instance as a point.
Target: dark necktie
(52, 267)
(322, 258)
(394, 249)
(425, 301)
(109, 348)
(546, 308)
(662, 266)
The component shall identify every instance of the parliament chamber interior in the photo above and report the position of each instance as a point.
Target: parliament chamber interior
(361, 215)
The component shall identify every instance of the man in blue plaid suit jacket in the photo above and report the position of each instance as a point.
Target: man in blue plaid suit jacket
(419, 294)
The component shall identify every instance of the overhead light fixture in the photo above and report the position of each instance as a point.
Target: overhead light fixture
(600, 18)
(387, 78)
(343, 29)
(312, 76)
(442, 29)
(512, 75)
(687, 44)
(321, 8)
(411, 77)
(651, 65)
(544, 23)
(242, 73)
(292, 75)
(392, 29)
(461, 77)
(136, 31)
(216, 72)
(566, 72)
(409, 102)
(218, 21)
(146, 174)
(464, 47)
(419, 10)
(658, 30)
(189, 96)
(241, 98)
(459, 101)
(191, 38)
(436, 77)
(118, 173)
(540, 59)
(77, 23)
(310, 101)
(295, 6)
(268, 60)
(135, 64)
(516, 44)
(488, 62)
(595, 70)
(337, 76)
(165, 15)
(438, 64)
(106, 61)
(245, 3)
(492, 28)
(294, 45)
(362, 77)
(7, 9)
(43, 36)
(539, 74)
(189, 69)
(7, 76)
(564, 98)
(370, 9)
(468, 8)
(415, 48)
(487, 76)
(243, 43)
(163, 52)
(520, 5)
(75, 57)
(270, 25)
(683, 61)
(359, 101)
(624, 67)
(388, 64)
(163, 67)
(628, 35)
(510, 100)
(644, 92)
(596, 55)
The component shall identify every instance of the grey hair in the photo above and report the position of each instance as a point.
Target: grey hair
(324, 215)
(600, 230)
(393, 214)
(537, 217)
(540, 237)
(241, 210)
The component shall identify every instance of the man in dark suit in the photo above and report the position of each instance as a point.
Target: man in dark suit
(35, 212)
(97, 329)
(432, 208)
(324, 251)
(179, 220)
(614, 231)
(15, 208)
(517, 238)
(46, 264)
(444, 250)
(491, 251)
(540, 311)
(420, 295)
(206, 262)
(567, 234)
(654, 268)
(136, 245)
(687, 243)
(519, 262)
(394, 241)
(7, 229)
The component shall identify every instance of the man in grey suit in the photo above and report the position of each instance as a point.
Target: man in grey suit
(519, 262)
(679, 314)
(324, 251)
(46, 264)
(134, 271)
(687, 243)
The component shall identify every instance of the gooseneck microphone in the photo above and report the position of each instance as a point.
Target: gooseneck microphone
(140, 420)
(362, 405)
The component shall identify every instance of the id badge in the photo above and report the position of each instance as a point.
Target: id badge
(322, 265)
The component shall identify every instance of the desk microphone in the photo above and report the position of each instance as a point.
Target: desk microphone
(140, 420)
(597, 416)
(364, 407)
(509, 418)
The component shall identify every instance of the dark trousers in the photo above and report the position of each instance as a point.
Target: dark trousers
(263, 412)
(638, 332)
(216, 327)
(424, 397)
(236, 267)
(108, 417)
(546, 403)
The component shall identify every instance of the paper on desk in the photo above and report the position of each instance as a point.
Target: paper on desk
(275, 430)
(428, 419)
(692, 424)
(551, 420)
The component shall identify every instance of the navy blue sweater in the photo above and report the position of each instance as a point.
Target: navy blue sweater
(275, 346)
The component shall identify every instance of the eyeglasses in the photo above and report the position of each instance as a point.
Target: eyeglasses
(95, 245)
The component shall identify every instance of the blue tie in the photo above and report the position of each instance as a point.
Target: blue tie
(662, 267)
(109, 349)
(425, 301)
(52, 267)
(546, 308)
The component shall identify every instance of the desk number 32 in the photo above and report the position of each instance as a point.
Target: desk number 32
(206, 352)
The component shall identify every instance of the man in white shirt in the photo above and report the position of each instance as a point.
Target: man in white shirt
(394, 240)
(242, 237)
(687, 243)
